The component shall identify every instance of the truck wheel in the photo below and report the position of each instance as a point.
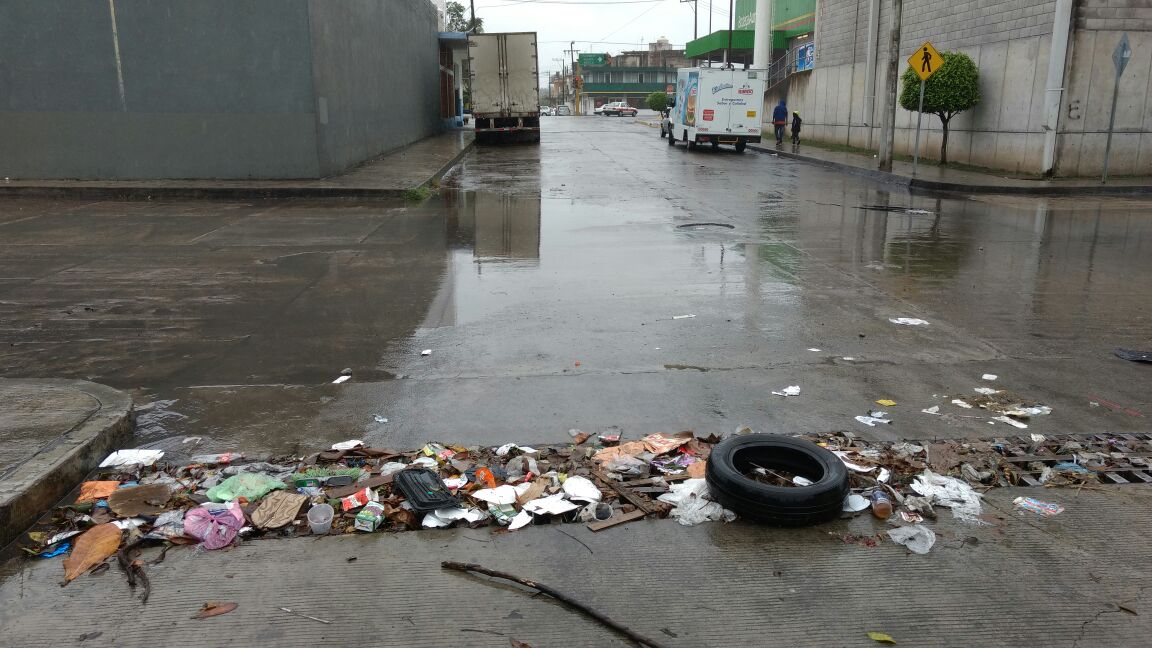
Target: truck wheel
(691, 145)
(740, 146)
(671, 138)
(715, 145)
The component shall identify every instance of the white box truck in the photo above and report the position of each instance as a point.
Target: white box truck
(715, 106)
(505, 99)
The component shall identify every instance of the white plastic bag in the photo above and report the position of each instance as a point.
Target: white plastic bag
(918, 538)
(951, 493)
(693, 506)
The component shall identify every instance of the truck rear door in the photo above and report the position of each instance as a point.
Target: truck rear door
(487, 82)
(520, 78)
(744, 100)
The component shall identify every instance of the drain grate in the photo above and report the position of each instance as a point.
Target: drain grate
(1106, 458)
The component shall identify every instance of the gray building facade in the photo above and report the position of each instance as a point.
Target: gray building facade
(1011, 42)
(142, 89)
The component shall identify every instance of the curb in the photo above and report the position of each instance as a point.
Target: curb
(210, 192)
(954, 187)
(39, 482)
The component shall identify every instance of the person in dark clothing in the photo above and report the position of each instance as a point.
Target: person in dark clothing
(796, 122)
(779, 119)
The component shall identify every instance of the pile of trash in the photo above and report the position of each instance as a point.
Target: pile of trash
(215, 500)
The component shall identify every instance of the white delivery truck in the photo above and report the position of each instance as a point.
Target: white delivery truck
(715, 106)
(505, 99)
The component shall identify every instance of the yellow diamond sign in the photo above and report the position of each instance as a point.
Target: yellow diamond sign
(925, 61)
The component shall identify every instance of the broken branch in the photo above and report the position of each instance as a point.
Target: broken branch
(559, 596)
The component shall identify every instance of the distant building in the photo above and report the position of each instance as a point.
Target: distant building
(628, 76)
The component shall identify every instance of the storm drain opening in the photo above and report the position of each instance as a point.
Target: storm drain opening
(694, 226)
(899, 210)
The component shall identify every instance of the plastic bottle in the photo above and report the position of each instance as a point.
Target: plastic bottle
(881, 504)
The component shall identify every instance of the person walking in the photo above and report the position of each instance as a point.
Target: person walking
(796, 122)
(779, 118)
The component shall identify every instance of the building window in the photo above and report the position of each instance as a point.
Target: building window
(639, 77)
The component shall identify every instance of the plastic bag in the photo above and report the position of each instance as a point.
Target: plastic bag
(627, 465)
(917, 538)
(690, 497)
(251, 486)
(215, 528)
(951, 493)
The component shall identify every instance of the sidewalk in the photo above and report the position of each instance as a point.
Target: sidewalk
(1016, 581)
(388, 176)
(931, 176)
(52, 432)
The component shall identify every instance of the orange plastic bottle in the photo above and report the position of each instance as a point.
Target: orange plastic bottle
(881, 504)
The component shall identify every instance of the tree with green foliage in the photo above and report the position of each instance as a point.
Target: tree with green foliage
(954, 88)
(658, 101)
(457, 21)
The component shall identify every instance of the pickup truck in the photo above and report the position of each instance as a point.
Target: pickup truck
(618, 109)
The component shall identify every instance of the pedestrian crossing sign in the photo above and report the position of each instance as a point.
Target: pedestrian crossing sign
(925, 61)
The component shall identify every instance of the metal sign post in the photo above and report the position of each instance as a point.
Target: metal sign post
(925, 62)
(1120, 57)
(919, 116)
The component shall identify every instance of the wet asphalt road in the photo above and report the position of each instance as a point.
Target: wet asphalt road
(548, 283)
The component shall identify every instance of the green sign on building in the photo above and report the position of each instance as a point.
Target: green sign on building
(591, 59)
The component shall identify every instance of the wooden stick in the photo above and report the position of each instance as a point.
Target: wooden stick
(540, 587)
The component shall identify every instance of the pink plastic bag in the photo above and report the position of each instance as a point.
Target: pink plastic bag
(216, 528)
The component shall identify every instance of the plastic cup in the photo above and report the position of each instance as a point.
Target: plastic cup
(320, 518)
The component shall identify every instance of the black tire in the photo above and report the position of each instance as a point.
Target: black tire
(671, 138)
(691, 145)
(740, 146)
(715, 145)
(777, 505)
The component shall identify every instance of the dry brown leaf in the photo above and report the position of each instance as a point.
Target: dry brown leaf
(92, 548)
(214, 608)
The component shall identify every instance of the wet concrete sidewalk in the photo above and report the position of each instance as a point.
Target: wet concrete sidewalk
(389, 176)
(1075, 580)
(52, 432)
(931, 176)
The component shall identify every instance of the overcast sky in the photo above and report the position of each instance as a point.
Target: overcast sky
(624, 24)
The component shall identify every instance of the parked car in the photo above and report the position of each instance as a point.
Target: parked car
(617, 109)
(562, 111)
(545, 111)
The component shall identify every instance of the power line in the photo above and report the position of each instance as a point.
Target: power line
(569, 2)
(642, 14)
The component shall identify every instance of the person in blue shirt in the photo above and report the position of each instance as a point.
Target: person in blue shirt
(779, 119)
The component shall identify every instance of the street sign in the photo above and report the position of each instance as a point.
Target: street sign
(1121, 55)
(591, 59)
(925, 61)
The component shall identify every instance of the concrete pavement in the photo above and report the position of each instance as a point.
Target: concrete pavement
(1076, 580)
(52, 432)
(233, 318)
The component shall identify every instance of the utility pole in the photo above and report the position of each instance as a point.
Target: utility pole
(472, 25)
(572, 51)
(887, 131)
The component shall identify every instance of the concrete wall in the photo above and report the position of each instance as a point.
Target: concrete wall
(376, 69)
(212, 88)
(1088, 100)
(1010, 42)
